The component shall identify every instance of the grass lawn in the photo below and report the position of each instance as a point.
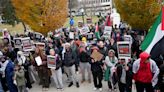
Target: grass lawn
(19, 28)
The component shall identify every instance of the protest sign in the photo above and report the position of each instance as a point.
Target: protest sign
(97, 56)
(89, 20)
(90, 36)
(18, 42)
(124, 49)
(26, 43)
(38, 61)
(40, 45)
(128, 38)
(51, 62)
(84, 30)
(71, 35)
(107, 31)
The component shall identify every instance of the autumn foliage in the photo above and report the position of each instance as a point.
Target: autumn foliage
(140, 14)
(41, 15)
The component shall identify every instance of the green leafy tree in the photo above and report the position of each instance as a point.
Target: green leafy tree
(8, 13)
(140, 14)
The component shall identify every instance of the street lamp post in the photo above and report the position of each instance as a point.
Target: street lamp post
(82, 11)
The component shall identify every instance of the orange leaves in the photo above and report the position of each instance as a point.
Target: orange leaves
(140, 14)
(42, 15)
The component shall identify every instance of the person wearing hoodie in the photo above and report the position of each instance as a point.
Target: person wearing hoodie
(145, 73)
(57, 72)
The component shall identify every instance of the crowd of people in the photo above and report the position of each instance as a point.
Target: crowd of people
(19, 72)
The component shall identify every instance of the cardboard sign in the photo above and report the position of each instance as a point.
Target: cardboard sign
(26, 43)
(97, 56)
(18, 42)
(84, 30)
(124, 49)
(51, 62)
(40, 45)
(38, 61)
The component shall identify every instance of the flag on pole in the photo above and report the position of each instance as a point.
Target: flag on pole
(97, 32)
(154, 41)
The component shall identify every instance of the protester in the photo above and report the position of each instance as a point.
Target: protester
(69, 63)
(19, 78)
(44, 72)
(57, 72)
(161, 79)
(8, 72)
(84, 64)
(124, 74)
(97, 72)
(145, 73)
(110, 62)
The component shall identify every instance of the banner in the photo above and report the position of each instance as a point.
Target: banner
(18, 42)
(26, 43)
(124, 49)
(51, 62)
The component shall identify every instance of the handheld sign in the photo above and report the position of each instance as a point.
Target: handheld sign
(38, 61)
(97, 56)
(128, 38)
(107, 31)
(18, 42)
(51, 62)
(84, 30)
(124, 49)
(26, 43)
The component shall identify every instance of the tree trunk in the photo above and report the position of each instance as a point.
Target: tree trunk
(24, 26)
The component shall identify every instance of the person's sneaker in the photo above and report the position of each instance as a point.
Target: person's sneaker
(62, 89)
(71, 83)
(77, 85)
(100, 89)
(94, 89)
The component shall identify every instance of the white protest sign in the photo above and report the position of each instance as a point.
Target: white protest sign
(124, 49)
(51, 62)
(84, 30)
(71, 35)
(38, 61)
(128, 38)
(107, 31)
(18, 42)
(26, 43)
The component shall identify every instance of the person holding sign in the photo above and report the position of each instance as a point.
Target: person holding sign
(44, 72)
(96, 68)
(110, 62)
(57, 72)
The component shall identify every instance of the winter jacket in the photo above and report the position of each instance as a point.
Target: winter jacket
(139, 67)
(69, 58)
(84, 57)
(20, 77)
(58, 62)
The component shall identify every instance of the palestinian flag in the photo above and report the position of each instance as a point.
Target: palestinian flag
(154, 41)
(97, 33)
